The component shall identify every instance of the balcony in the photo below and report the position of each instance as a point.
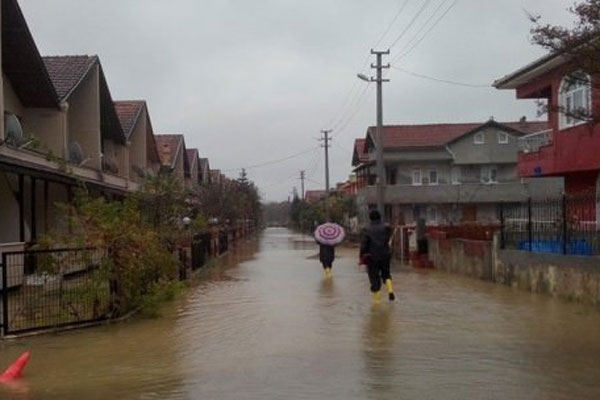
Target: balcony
(42, 163)
(533, 142)
(440, 194)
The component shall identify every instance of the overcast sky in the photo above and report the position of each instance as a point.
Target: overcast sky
(254, 81)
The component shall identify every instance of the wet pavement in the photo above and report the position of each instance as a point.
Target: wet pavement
(267, 325)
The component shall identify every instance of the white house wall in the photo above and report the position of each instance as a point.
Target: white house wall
(84, 118)
(138, 148)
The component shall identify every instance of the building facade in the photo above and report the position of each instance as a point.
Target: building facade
(450, 173)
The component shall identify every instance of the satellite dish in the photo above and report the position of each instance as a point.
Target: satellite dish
(76, 154)
(109, 164)
(13, 132)
(139, 171)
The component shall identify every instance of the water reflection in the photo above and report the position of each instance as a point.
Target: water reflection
(377, 348)
(266, 324)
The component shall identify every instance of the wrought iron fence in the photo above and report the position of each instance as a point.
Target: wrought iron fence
(563, 225)
(53, 288)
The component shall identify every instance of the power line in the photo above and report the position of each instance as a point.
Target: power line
(353, 111)
(405, 54)
(357, 108)
(411, 23)
(389, 27)
(425, 24)
(351, 96)
(274, 161)
(449, 82)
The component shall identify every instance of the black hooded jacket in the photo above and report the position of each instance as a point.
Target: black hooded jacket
(375, 241)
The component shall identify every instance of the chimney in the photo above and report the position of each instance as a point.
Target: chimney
(523, 119)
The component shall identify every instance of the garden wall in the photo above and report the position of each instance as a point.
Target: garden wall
(568, 277)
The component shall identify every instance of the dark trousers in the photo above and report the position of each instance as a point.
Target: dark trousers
(379, 272)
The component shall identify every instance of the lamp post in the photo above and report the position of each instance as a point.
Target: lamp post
(379, 132)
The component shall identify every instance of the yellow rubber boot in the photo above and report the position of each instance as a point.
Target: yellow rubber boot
(390, 289)
(329, 273)
(376, 297)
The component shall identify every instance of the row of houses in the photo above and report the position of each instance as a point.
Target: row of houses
(61, 126)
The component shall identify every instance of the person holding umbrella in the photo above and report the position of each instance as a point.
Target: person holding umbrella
(375, 253)
(328, 236)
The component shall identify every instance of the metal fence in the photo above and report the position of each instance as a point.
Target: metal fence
(563, 225)
(53, 288)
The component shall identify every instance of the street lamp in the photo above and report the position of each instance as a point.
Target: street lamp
(186, 221)
(363, 77)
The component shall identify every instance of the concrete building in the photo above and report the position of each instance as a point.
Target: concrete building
(448, 173)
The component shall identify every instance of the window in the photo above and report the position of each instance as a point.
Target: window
(489, 174)
(456, 175)
(416, 177)
(574, 100)
(502, 138)
(433, 177)
(479, 138)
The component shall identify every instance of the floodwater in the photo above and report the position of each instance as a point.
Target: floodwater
(266, 325)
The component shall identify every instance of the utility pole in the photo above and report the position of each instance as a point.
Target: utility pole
(326, 139)
(326, 145)
(302, 177)
(379, 132)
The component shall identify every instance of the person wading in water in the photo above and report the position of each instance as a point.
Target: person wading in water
(375, 253)
(326, 256)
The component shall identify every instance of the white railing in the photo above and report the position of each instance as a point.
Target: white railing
(531, 143)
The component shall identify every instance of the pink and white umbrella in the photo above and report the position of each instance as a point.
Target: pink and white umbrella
(330, 234)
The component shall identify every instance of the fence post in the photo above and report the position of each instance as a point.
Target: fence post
(4, 295)
(529, 225)
(564, 223)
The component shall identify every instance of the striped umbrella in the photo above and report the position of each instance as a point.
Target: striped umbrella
(330, 234)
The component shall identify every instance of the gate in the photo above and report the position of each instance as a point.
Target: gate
(45, 289)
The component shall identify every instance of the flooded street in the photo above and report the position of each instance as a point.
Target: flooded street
(266, 325)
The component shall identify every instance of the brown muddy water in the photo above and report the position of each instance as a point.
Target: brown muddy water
(266, 325)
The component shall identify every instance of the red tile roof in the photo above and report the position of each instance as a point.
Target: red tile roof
(360, 154)
(67, 71)
(168, 146)
(435, 135)
(129, 111)
(314, 195)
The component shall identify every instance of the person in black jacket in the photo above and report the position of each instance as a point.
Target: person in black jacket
(326, 256)
(375, 253)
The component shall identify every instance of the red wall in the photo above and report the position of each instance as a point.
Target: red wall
(572, 150)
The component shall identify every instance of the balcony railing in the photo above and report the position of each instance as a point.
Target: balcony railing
(448, 193)
(533, 142)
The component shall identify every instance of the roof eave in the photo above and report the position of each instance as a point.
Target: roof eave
(531, 71)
